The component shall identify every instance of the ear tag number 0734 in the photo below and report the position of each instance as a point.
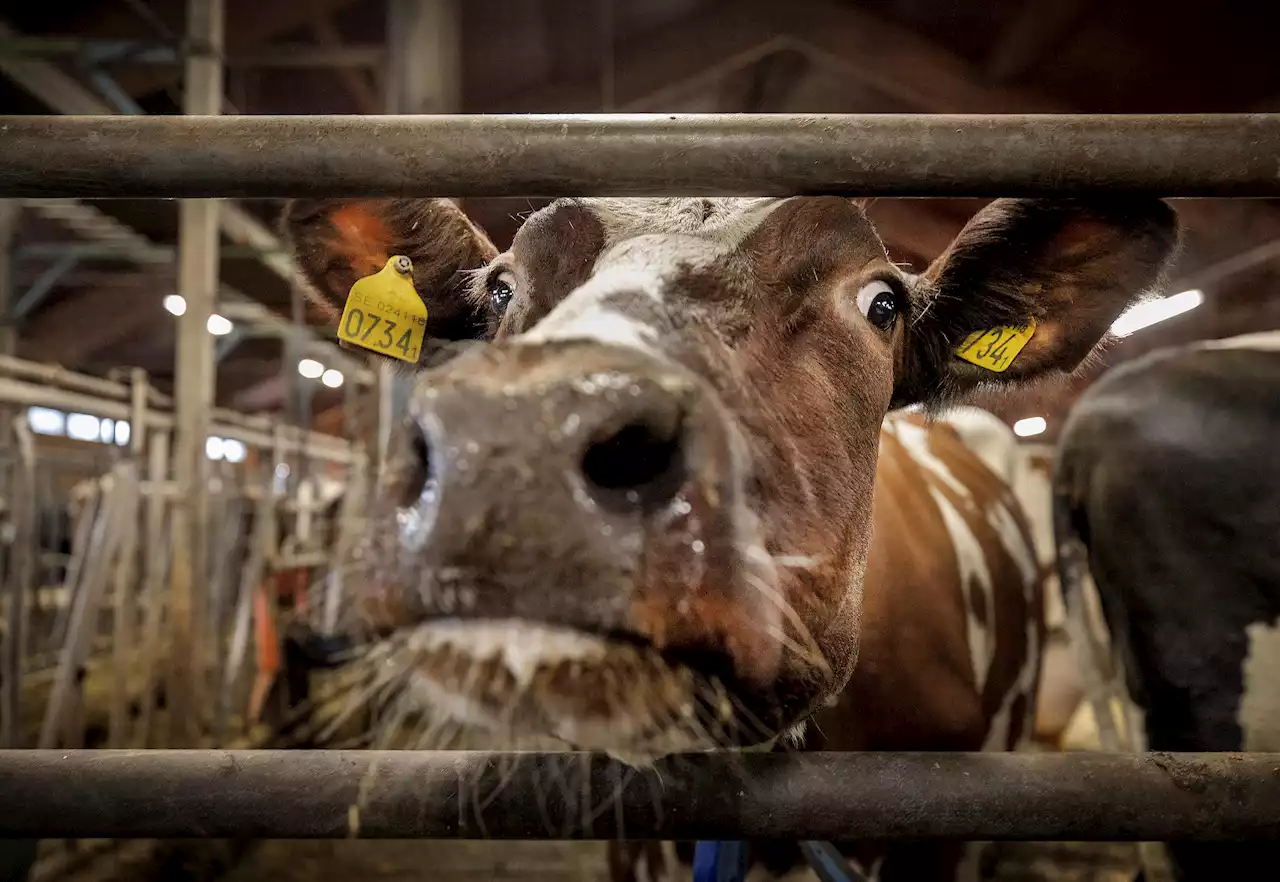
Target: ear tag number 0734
(384, 313)
(996, 348)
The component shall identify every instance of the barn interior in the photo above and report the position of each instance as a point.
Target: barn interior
(91, 294)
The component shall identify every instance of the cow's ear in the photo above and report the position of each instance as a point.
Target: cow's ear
(1070, 267)
(336, 242)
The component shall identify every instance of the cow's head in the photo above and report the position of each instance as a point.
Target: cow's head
(639, 520)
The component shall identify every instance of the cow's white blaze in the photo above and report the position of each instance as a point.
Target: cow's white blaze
(595, 311)
(649, 243)
(1259, 710)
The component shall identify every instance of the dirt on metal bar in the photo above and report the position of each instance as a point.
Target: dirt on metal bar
(476, 795)
(1192, 155)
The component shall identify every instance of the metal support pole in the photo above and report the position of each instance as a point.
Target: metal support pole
(193, 401)
(476, 795)
(1203, 155)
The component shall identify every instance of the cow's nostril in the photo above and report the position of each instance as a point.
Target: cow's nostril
(638, 466)
(419, 471)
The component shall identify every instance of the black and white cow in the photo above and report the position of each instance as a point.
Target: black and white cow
(1167, 472)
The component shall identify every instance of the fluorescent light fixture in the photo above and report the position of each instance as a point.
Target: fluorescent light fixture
(1143, 315)
(310, 368)
(82, 427)
(1025, 428)
(332, 378)
(232, 450)
(46, 421)
(218, 325)
(176, 304)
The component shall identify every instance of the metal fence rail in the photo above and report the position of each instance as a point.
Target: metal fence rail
(888, 155)
(830, 796)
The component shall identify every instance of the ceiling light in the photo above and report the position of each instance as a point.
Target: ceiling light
(1143, 315)
(1025, 428)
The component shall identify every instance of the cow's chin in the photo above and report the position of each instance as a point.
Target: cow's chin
(517, 685)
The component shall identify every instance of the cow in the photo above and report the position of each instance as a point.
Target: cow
(1027, 468)
(663, 510)
(1162, 474)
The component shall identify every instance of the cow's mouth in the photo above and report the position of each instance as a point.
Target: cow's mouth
(525, 685)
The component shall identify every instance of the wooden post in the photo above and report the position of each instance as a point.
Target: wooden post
(8, 229)
(155, 564)
(423, 39)
(21, 572)
(193, 401)
(125, 615)
(251, 576)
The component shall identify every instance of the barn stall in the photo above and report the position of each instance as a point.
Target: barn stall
(121, 580)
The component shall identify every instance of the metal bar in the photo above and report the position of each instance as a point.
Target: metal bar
(226, 345)
(1214, 155)
(473, 795)
(110, 90)
(43, 286)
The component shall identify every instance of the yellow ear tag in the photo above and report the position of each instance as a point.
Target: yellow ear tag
(995, 349)
(384, 313)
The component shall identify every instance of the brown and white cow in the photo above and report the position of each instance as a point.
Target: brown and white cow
(664, 511)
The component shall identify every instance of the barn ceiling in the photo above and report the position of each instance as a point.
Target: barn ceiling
(91, 309)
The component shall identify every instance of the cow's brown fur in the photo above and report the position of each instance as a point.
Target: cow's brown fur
(766, 356)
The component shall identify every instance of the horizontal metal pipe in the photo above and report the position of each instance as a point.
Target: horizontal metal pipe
(652, 154)
(470, 795)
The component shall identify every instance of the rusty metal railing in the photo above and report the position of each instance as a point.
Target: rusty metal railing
(825, 796)
(1219, 155)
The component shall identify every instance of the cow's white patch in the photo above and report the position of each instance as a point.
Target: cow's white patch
(587, 314)
(974, 576)
(1024, 685)
(1259, 710)
(916, 440)
(988, 437)
(1014, 541)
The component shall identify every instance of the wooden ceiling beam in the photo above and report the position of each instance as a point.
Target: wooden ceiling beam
(1034, 32)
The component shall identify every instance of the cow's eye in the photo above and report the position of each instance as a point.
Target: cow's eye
(501, 287)
(880, 303)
